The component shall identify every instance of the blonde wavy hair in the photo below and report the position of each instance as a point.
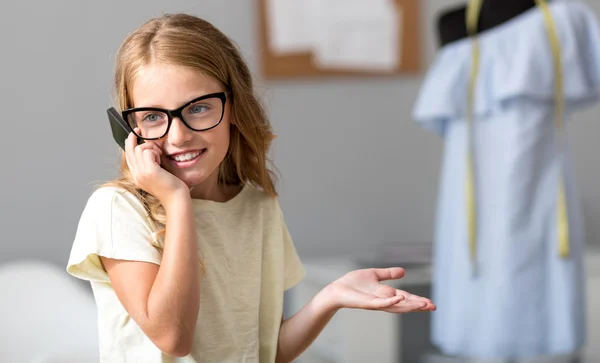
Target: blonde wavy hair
(188, 41)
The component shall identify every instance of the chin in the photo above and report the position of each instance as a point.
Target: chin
(204, 171)
(194, 178)
(190, 182)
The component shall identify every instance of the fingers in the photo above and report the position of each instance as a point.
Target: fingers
(392, 273)
(412, 297)
(139, 150)
(406, 303)
(385, 291)
(146, 156)
(401, 303)
(150, 154)
(142, 159)
(412, 303)
(419, 299)
(378, 303)
(406, 306)
(130, 144)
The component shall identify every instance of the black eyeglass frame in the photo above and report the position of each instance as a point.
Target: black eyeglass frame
(177, 113)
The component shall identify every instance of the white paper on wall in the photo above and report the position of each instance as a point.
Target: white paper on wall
(289, 26)
(350, 35)
(341, 34)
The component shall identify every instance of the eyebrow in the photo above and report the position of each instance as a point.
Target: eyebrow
(180, 104)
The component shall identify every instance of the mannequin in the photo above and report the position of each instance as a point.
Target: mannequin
(498, 101)
(452, 27)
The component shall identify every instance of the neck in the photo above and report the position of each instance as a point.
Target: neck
(452, 25)
(210, 189)
(495, 12)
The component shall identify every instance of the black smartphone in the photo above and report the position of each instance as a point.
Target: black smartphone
(120, 128)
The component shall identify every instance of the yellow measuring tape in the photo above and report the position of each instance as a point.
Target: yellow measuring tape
(473, 10)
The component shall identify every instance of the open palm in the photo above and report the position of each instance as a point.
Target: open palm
(362, 289)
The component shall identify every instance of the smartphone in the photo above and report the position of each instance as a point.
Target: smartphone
(120, 128)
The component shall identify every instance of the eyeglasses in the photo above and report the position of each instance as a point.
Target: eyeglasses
(200, 114)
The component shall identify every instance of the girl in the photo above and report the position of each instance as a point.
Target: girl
(188, 253)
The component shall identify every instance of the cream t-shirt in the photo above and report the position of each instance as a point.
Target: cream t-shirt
(250, 261)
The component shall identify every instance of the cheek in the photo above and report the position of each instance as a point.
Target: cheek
(219, 140)
(158, 143)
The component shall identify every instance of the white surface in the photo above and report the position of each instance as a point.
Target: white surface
(45, 317)
(592, 350)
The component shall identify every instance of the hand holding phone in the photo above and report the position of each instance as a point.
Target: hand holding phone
(144, 161)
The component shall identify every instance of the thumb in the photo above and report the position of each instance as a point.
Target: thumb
(392, 273)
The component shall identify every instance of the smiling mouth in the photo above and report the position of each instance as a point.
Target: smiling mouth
(187, 156)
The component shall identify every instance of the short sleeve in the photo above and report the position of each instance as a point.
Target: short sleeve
(115, 225)
(294, 269)
(516, 62)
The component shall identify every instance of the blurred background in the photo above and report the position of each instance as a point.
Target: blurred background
(357, 177)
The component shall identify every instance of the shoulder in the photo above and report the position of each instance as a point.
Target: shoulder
(260, 200)
(110, 194)
(110, 206)
(451, 17)
(114, 224)
(257, 195)
(252, 206)
(451, 25)
(109, 198)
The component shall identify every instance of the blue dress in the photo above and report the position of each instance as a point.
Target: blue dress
(526, 300)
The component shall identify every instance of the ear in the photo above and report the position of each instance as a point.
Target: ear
(232, 121)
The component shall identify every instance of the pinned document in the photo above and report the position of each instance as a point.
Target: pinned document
(340, 34)
(352, 36)
(289, 26)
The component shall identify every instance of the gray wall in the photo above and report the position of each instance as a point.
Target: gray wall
(337, 192)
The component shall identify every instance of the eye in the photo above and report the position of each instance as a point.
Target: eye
(152, 117)
(198, 108)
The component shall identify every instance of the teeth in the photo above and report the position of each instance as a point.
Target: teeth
(186, 157)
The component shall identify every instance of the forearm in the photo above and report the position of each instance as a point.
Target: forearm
(299, 332)
(175, 296)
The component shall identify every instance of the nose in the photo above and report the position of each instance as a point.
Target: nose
(179, 134)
